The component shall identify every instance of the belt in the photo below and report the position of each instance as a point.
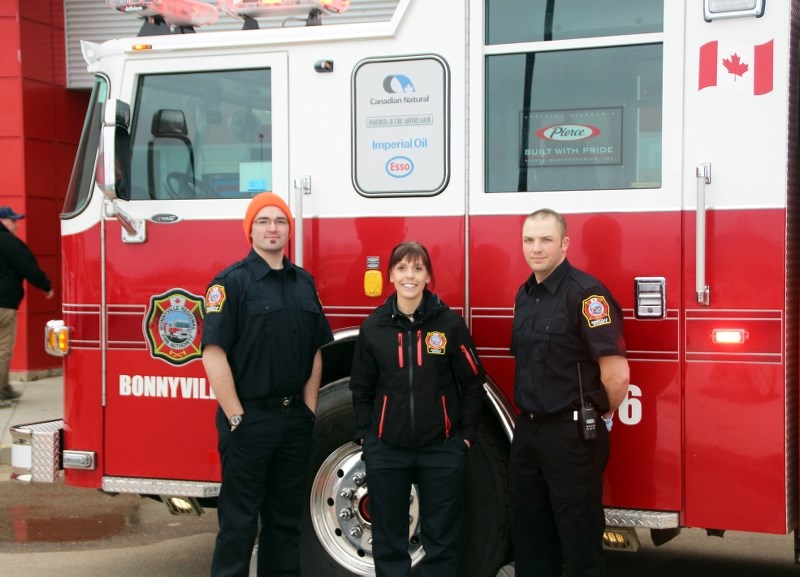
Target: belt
(283, 402)
(565, 415)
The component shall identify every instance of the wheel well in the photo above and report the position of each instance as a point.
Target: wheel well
(337, 359)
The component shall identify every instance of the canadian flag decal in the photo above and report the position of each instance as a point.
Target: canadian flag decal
(748, 67)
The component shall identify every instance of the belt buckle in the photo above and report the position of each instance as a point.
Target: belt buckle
(286, 402)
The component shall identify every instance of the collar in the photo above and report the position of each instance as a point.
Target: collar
(552, 281)
(260, 268)
(430, 302)
(396, 311)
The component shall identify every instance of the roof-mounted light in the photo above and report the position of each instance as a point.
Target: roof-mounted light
(713, 9)
(179, 13)
(264, 8)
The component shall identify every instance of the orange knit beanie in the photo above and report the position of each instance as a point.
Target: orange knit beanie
(260, 201)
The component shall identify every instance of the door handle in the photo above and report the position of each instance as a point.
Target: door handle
(702, 290)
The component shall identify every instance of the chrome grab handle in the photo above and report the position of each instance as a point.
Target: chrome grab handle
(702, 290)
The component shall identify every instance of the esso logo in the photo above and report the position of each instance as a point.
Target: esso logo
(399, 167)
(568, 132)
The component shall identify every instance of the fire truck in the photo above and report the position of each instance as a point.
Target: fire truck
(665, 131)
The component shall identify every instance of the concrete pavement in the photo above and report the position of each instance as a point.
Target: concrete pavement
(41, 400)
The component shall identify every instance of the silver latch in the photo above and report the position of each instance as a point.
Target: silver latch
(650, 297)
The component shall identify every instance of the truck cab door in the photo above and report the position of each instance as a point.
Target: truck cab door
(205, 136)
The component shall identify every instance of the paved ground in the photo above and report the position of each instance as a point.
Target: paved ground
(41, 400)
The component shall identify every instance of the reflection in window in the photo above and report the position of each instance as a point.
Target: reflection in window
(202, 135)
(512, 21)
(574, 120)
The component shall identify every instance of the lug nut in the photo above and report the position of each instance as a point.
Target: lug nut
(346, 514)
(359, 478)
(356, 531)
(347, 493)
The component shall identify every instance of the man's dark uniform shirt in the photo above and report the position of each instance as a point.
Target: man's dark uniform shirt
(270, 347)
(569, 319)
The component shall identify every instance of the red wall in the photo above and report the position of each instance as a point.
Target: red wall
(40, 124)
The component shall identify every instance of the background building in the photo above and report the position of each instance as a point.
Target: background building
(40, 124)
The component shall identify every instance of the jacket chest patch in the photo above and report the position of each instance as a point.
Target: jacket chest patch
(436, 343)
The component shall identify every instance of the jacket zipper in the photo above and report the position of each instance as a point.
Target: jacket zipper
(446, 418)
(411, 385)
(400, 349)
(470, 359)
(383, 416)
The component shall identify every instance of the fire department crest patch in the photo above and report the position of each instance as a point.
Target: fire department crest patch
(436, 343)
(173, 326)
(597, 312)
(215, 298)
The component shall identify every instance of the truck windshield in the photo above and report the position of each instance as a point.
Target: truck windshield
(202, 135)
(82, 179)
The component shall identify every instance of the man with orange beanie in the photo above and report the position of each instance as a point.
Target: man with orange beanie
(262, 334)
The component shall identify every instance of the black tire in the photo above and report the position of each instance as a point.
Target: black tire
(326, 549)
(486, 542)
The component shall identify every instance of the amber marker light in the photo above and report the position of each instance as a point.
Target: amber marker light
(56, 338)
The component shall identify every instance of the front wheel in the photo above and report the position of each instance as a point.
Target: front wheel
(337, 529)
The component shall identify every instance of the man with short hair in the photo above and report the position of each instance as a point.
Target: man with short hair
(570, 369)
(16, 264)
(262, 334)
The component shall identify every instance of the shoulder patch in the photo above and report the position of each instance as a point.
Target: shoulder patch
(215, 298)
(596, 311)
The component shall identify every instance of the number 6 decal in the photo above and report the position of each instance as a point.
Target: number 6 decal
(630, 411)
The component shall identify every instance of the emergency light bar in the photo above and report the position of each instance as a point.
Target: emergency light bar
(174, 12)
(264, 8)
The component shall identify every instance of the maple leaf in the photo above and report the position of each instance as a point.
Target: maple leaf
(734, 65)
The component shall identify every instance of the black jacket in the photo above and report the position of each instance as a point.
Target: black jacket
(416, 382)
(17, 263)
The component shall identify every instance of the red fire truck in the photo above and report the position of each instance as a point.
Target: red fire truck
(666, 131)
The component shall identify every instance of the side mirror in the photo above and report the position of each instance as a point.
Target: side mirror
(117, 113)
(112, 174)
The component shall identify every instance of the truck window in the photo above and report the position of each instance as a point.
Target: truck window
(82, 180)
(587, 118)
(510, 21)
(202, 135)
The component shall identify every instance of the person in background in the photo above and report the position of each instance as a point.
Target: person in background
(417, 388)
(16, 263)
(569, 348)
(262, 334)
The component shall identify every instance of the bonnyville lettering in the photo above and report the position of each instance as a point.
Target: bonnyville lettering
(166, 387)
